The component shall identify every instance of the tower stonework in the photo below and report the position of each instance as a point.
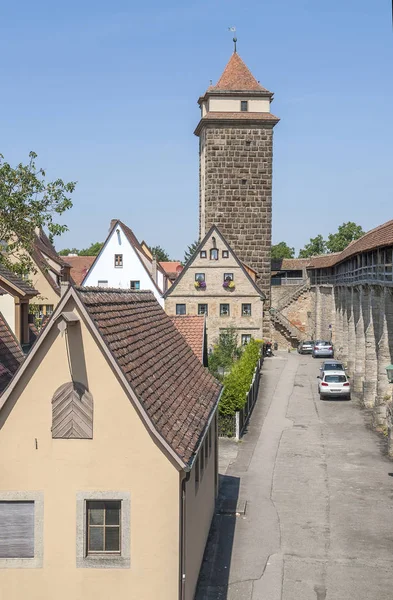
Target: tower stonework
(235, 175)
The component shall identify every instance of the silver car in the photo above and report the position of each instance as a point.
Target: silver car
(322, 349)
(334, 384)
(331, 365)
(305, 347)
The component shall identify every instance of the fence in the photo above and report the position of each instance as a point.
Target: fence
(287, 280)
(234, 425)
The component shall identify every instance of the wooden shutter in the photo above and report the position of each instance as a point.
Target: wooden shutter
(72, 412)
(16, 529)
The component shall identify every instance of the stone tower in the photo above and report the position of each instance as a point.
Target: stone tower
(235, 152)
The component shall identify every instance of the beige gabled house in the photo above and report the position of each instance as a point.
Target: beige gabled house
(16, 294)
(215, 283)
(108, 446)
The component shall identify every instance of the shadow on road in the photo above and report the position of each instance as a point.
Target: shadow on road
(214, 575)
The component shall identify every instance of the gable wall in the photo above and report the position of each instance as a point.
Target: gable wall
(119, 277)
(121, 457)
(214, 294)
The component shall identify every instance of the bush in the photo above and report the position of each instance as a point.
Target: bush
(237, 382)
(225, 352)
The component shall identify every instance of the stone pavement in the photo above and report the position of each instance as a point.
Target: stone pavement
(319, 500)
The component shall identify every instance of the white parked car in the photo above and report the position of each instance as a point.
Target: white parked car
(334, 384)
(331, 365)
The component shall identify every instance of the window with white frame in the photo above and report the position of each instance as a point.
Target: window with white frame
(228, 277)
(246, 339)
(225, 254)
(203, 254)
(214, 254)
(199, 277)
(135, 285)
(103, 527)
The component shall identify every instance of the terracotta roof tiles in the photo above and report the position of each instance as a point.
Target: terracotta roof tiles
(176, 391)
(79, 267)
(192, 328)
(14, 280)
(237, 77)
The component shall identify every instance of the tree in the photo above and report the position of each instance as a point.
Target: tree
(27, 203)
(282, 250)
(159, 253)
(93, 249)
(315, 246)
(347, 232)
(190, 251)
(225, 352)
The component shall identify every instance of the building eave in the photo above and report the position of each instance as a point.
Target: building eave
(236, 119)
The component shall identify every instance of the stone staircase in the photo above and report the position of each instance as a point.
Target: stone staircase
(292, 295)
(293, 333)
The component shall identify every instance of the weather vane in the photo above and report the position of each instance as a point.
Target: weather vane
(233, 29)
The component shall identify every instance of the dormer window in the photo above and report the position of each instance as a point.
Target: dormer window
(214, 254)
(244, 105)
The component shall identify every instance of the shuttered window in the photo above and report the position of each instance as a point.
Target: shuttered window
(16, 529)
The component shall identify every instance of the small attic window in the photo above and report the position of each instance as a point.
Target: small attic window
(214, 254)
(225, 254)
(244, 105)
(203, 254)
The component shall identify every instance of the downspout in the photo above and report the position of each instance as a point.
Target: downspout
(182, 582)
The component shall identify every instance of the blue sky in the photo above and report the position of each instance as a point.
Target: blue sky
(106, 94)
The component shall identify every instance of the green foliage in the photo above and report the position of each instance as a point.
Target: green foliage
(315, 246)
(190, 251)
(28, 202)
(159, 253)
(92, 250)
(347, 233)
(282, 250)
(237, 383)
(225, 352)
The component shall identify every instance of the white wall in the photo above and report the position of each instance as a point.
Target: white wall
(119, 277)
(7, 307)
(233, 104)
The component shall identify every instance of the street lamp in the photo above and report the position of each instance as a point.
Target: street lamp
(389, 372)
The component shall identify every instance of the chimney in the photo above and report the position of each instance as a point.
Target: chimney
(154, 269)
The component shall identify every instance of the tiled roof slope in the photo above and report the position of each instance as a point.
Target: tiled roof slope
(376, 238)
(16, 281)
(176, 391)
(11, 354)
(192, 328)
(237, 77)
(324, 261)
(42, 244)
(171, 266)
(79, 267)
(290, 264)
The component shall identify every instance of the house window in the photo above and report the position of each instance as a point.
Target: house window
(246, 339)
(228, 276)
(199, 277)
(21, 529)
(102, 283)
(118, 260)
(203, 254)
(180, 309)
(202, 309)
(45, 309)
(246, 310)
(214, 254)
(16, 529)
(244, 105)
(103, 527)
(135, 285)
(225, 254)
(224, 310)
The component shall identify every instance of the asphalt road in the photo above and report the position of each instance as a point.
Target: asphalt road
(319, 491)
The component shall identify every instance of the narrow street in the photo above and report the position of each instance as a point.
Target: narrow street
(318, 489)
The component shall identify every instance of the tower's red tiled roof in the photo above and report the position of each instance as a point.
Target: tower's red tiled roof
(237, 77)
(192, 328)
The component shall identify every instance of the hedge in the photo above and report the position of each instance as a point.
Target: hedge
(238, 381)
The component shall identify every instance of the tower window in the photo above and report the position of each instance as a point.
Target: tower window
(244, 105)
(244, 181)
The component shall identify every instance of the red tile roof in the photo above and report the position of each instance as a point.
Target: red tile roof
(192, 328)
(11, 354)
(171, 266)
(176, 391)
(22, 287)
(79, 267)
(237, 77)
